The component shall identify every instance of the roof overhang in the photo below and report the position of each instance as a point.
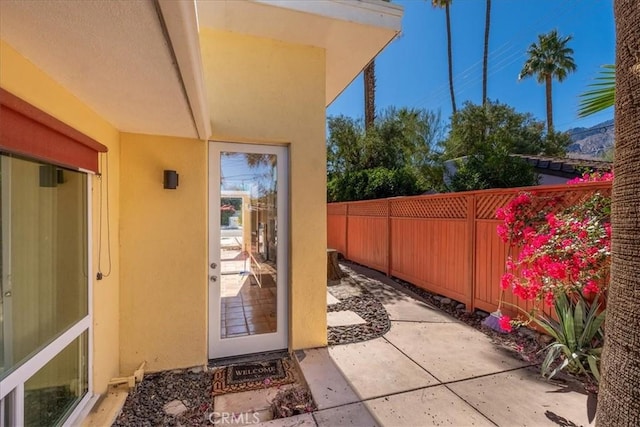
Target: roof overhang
(352, 32)
(135, 63)
(138, 64)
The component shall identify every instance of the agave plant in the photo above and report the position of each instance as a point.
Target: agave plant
(578, 337)
(602, 94)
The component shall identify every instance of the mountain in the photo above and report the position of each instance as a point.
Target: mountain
(591, 142)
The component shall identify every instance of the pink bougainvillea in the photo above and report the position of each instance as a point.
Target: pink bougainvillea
(592, 177)
(562, 249)
(505, 323)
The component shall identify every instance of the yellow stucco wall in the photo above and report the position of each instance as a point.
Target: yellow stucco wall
(163, 297)
(153, 306)
(269, 92)
(22, 78)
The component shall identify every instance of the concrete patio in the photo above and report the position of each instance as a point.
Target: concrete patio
(429, 369)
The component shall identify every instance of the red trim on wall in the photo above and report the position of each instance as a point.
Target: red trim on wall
(28, 131)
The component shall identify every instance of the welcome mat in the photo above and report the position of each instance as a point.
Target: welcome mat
(253, 376)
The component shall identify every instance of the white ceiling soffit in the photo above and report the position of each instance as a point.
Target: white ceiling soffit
(181, 21)
(353, 32)
(113, 55)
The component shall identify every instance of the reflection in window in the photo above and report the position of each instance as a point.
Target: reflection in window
(44, 256)
(248, 244)
(52, 393)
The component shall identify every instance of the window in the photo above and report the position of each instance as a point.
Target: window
(44, 299)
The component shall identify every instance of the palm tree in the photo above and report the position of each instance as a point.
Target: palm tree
(619, 395)
(485, 57)
(369, 74)
(370, 95)
(549, 58)
(445, 4)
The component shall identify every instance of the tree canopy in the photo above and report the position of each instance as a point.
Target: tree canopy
(499, 127)
(406, 151)
(483, 139)
(393, 158)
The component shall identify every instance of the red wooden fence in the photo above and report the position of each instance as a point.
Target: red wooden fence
(444, 243)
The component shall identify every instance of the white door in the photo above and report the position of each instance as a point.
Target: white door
(248, 248)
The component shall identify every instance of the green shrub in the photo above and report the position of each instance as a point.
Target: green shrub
(579, 336)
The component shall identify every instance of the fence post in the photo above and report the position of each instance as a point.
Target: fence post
(471, 227)
(388, 237)
(346, 231)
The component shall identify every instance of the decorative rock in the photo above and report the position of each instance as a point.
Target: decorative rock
(445, 301)
(175, 408)
(481, 314)
(368, 308)
(460, 306)
(437, 298)
(544, 340)
(526, 332)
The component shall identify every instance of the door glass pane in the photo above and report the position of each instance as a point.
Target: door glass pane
(53, 392)
(248, 243)
(44, 256)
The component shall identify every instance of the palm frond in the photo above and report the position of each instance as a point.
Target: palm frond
(602, 94)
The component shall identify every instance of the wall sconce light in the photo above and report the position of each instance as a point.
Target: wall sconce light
(51, 176)
(170, 180)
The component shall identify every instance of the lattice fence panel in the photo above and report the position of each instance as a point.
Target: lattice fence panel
(573, 197)
(373, 208)
(337, 209)
(430, 207)
(487, 204)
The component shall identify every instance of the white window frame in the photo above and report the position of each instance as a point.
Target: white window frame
(13, 384)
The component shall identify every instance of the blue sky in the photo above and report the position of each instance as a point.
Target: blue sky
(412, 70)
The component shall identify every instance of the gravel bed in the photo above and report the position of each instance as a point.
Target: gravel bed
(370, 309)
(144, 405)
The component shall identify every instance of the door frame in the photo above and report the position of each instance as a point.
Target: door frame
(234, 346)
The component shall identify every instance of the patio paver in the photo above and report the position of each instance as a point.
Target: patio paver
(376, 368)
(344, 318)
(331, 299)
(524, 396)
(408, 309)
(450, 351)
(355, 414)
(245, 401)
(428, 406)
(326, 383)
(304, 420)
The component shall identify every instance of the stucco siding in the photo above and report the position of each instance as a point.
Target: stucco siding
(163, 304)
(270, 92)
(20, 77)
